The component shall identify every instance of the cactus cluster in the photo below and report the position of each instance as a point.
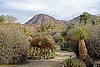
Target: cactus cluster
(38, 53)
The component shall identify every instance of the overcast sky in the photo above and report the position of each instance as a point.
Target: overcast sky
(23, 10)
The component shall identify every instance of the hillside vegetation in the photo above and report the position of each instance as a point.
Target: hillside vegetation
(36, 39)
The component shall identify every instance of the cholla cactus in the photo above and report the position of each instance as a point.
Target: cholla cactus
(13, 45)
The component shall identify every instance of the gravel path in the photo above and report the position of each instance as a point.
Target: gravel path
(57, 62)
(46, 63)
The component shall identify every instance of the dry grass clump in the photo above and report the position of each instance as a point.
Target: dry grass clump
(43, 41)
(42, 46)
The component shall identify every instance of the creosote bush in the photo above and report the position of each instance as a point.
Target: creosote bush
(93, 43)
(13, 45)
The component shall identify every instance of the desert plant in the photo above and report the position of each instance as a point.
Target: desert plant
(2, 20)
(25, 30)
(93, 42)
(72, 62)
(13, 45)
(85, 18)
(81, 33)
(43, 41)
(34, 53)
(57, 37)
(42, 46)
(64, 33)
(10, 19)
(38, 53)
(50, 53)
(70, 45)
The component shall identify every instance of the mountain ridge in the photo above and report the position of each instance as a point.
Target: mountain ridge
(44, 18)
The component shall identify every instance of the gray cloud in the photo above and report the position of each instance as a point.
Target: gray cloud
(60, 9)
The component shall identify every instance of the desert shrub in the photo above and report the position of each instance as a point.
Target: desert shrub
(73, 62)
(57, 37)
(93, 43)
(43, 41)
(70, 45)
(42, 46)
(64, 33)
(25, 30)
(38, 53)
(13, 45)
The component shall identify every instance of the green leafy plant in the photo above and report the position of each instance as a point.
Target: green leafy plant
(73, 62)
(64, 33)
(2, 20)
(26, 31)
(34, 53)
(57, 37)
(81, 33)
(38, 53)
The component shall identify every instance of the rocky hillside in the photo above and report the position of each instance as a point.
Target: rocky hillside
(43, 18)
(77, 19)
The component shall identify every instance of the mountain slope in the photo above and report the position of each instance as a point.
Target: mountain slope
(77, 19)
(41, 18)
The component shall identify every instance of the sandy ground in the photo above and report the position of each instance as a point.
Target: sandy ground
(45, 63)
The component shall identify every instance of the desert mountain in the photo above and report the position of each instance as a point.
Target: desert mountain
(43, 18)
(77, 19)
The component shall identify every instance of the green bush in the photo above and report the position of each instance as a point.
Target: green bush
(57, 37)
(13, 45)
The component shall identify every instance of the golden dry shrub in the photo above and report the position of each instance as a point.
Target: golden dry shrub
(43, 41)
(13, 45)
